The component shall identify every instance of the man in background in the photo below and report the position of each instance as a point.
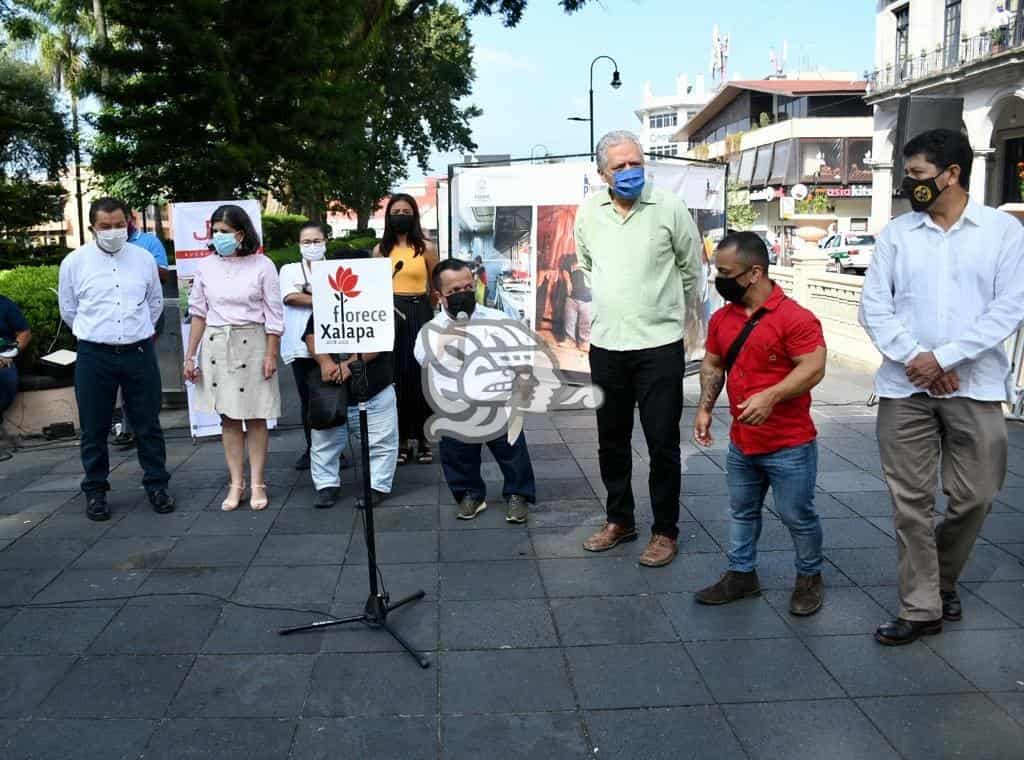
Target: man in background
(14, 339)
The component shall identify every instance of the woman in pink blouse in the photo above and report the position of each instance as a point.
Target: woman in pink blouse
(236, 324)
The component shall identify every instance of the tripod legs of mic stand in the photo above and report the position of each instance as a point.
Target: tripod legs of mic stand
(375, 613)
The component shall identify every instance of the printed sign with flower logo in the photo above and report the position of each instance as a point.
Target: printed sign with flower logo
(353, 307)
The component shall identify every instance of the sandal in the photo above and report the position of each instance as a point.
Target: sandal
(258, 504)
(424, 455)
(404, 453)
(230, 504)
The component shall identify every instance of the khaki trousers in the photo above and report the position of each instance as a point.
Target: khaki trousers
(969, 439)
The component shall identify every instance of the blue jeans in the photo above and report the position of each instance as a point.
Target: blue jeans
(461, 464)
(382, 425)
(791, 474)
(99, 372)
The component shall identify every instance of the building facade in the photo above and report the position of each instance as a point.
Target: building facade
(662, 116)
(970, 49)
(795, 146)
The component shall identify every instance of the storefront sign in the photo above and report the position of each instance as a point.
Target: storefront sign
(853, 191)
(765, 194)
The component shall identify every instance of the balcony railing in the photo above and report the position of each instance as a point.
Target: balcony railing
(928, 64)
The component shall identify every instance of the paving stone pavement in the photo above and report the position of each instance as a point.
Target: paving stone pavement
(117, 640)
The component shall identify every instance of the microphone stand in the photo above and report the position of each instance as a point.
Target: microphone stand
(378, 604)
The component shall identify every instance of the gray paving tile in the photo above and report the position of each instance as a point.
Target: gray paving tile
(565, 542)
(34, 502)
(80, 740)
(679, 733)
(88, 585)
(845, 611)
(19, 586)
(504, 681)
(157, 628)
(224, 739)
(148, 524)
(219, 581)
(978, 614)
(31, 553)
(991, 563)
(373, 684)
(498, 579)
(125, 553)
(866, 567)
(1007, 597)
(497, 624)
(319, 521)
(510, 737)
(991, 660)
(557, 513)
(289, 586)
(745, 619)
(762, 670)
(954, 725)
(242, 630)
(841, 732)
(27, 680)
(17, 525)
(118, 687)
(54, 631)
(853, 533)
(687, 573)
(866, 669)
(393, 738)
(510, 542)
(397, 546)
(301, 549)
(1012, 703)
(594, 575)
(400, 580)
(611, 620)
(244, 686)
(865, 503)
(416, 622)
(212, 551)
(635, 675)
(776, 570)
(423, 518)
(241, 522)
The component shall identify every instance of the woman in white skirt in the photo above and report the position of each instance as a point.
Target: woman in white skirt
(236, 324)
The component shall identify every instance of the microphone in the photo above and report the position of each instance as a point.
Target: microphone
(398, 268)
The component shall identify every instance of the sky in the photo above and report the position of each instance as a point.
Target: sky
(531, 78)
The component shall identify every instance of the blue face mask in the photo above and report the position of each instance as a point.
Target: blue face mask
(629, 183)
(224, 243)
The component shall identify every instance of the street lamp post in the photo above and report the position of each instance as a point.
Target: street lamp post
(616, 83)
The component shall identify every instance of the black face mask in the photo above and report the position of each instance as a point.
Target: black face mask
(922, 193)
(400, 223)
(464, 301)
(729, 289)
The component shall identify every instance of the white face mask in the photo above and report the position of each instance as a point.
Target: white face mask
(313, 251)
(111, 241)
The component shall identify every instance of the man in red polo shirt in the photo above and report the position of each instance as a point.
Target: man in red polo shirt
(773, 440)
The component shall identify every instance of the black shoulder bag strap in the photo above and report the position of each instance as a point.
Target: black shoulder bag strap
(737, 345)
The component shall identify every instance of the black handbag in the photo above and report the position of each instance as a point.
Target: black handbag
(328, 402)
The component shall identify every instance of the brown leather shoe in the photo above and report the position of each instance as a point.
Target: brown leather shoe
(808, 595)
(610, 536)
(660, 551)
(730, 587)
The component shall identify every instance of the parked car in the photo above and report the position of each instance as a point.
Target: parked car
(850, 251)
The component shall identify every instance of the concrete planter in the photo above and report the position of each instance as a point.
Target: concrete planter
(811, 228)
(34, 410)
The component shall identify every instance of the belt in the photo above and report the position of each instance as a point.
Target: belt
(115, 348)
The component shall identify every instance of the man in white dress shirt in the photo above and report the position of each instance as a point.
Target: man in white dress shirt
(110, 295)
(944, 290)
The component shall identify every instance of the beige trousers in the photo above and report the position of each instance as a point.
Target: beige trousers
(915, 435)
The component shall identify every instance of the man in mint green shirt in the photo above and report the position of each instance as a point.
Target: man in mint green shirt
(640, 250)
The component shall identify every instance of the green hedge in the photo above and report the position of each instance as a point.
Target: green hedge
(32, 289)
(335, 250)
(280, 230)
(14, 254)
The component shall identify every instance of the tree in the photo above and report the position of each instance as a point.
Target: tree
(420, 71)
(511, 11)
(739, 214)
(34, 145)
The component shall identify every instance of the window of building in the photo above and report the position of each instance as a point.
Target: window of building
(821, 160)
(951, 33)
(734, 167)
(746, 167)
(858, 156)
(672, 149)
(763, 167)
(663, 120)
(902, 39)
(858, 225)
(780, 164)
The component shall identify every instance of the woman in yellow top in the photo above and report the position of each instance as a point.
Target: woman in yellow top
(413, 259)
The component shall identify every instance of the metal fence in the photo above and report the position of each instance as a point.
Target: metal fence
(942, 59)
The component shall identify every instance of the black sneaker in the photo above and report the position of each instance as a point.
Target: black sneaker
(325, 498)
(124, 440)
(162, 501)
(517, 510)
(302, 463)
(96, 508)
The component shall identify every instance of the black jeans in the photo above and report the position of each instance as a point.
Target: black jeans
(653, 379)
(99, 372)
(301, 369)
(461, 464)
(8, 388)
